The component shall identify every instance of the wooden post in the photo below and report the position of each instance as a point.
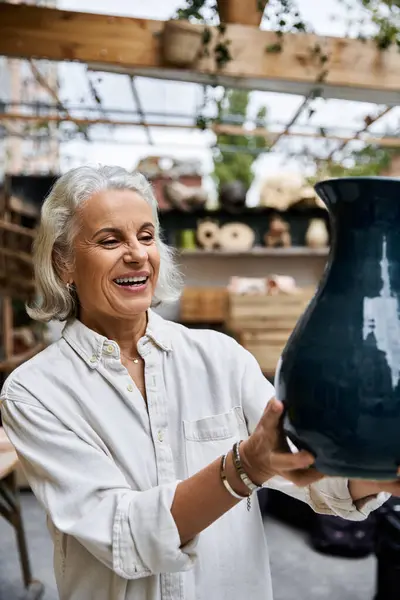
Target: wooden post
(7, 327)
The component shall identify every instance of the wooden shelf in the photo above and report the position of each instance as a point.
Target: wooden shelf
(261, 252)
(221, 214)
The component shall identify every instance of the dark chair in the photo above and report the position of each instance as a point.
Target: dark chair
(10, 509)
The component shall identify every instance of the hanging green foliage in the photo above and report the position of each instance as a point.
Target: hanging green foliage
(237, 165)
(369, 161)
(285, 16)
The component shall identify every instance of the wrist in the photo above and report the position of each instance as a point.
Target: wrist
(362, 490)
(249, 465)
(233, 477)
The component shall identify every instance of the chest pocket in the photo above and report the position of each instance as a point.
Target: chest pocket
(210, 437)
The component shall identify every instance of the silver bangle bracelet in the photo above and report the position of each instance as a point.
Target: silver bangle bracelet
(226, 483)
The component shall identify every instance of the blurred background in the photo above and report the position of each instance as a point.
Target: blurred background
(233, 109)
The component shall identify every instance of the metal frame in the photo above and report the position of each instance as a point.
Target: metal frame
(89, 119)
(140, 118)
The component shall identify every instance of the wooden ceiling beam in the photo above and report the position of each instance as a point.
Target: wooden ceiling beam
(356, 69)
(38, 32)
(272, 137)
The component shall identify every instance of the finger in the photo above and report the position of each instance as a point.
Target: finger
(288, 461)
(272, 415)
(273, 406)
(303, 477)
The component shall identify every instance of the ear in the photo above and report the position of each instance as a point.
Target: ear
(62, 267)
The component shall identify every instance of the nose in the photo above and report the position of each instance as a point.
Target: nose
(135, 253)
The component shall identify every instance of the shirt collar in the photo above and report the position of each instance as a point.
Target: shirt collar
(91, 345)
(158, 331)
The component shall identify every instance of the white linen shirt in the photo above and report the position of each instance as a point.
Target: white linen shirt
(105, 467)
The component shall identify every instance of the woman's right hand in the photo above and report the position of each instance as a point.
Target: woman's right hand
(266, 452)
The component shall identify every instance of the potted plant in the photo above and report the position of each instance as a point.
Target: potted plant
(182, 42)
(245, 13)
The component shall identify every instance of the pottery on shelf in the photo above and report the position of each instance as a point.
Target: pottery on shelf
(187, 239)
(317, 235)
(339, 374)
(232, 196)
(236, 237)
(278, 234)
(185, 197)
(207, 234)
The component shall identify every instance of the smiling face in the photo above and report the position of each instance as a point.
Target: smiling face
(116, 259)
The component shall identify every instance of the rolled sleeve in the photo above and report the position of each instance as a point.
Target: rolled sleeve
(146, 539)
(332, 496)
(87, 496)
(329, 496)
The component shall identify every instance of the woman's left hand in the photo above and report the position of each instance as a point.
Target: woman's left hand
(361, 489)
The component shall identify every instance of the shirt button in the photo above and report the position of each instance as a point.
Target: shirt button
(110, 349)
(129, 388)
(160, 436)
(93, 358)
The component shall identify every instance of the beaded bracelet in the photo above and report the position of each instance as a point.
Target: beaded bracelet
(251, 486)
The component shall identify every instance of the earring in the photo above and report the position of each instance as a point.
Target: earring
(70, 287)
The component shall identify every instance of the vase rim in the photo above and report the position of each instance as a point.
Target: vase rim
(357, 178)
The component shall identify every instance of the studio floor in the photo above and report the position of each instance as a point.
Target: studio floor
(299, 573)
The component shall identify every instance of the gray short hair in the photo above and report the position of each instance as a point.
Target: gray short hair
(53, 244)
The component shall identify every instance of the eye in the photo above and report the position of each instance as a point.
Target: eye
(147, 238)
(109, 242)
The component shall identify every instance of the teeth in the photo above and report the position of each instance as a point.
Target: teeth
(131, 280)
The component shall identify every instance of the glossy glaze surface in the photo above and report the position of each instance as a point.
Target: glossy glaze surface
(339, 374)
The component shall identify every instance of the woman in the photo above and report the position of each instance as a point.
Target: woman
(125, 426)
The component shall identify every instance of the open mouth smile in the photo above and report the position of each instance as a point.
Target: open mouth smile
(132, 283)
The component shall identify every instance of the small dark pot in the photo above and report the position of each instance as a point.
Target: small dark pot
(232, 196)
(339, 373)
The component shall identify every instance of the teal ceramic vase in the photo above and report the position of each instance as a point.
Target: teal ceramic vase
(339, 374)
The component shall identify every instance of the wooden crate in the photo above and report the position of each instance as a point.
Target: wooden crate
(280, 311)
(263, 324)
(266, 351)
(204, 305)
